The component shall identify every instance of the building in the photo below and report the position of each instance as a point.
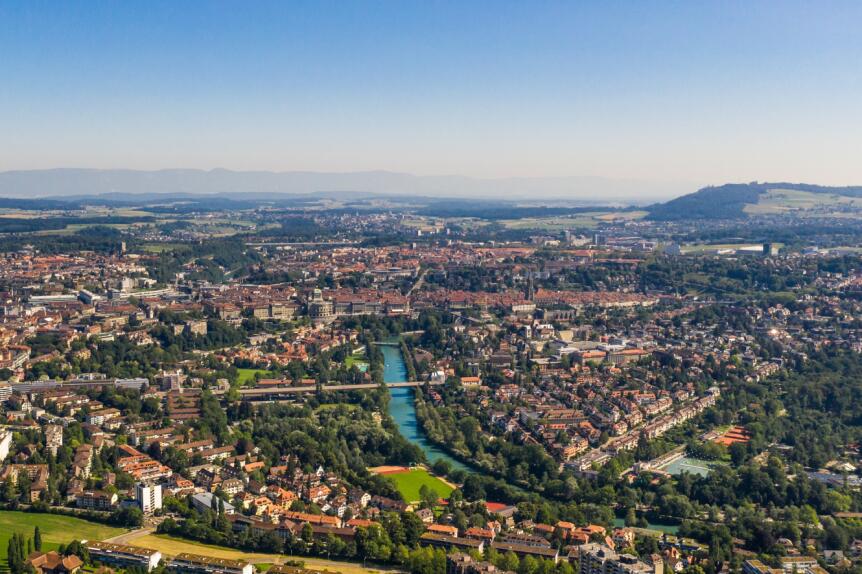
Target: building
(37, 473)
(97, 500)
(524, 550)
(148, 497)
(5, 443)
(204, 501)
(459, 563)
(320, 310)
(194, 564)
(53, 438)
(196, 327)
(122, 556)
(598, 559)
(53, 563)
(450, 542)
(791, 564)
(5, 391)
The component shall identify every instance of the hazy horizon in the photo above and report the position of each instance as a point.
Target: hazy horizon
(60, 182)
(670, 96)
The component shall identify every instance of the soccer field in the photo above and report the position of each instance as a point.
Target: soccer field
(410, 481)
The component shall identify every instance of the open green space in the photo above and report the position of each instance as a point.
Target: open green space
(410, 482)
(588, 219)
(56, 529)
(780, 201)
(246, 376)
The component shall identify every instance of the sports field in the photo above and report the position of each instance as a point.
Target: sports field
(410, 481)
(56, 529)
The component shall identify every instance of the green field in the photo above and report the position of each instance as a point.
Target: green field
(56, 529)
(409, 483)
(588, 219)
(780, 201)
(246, 376)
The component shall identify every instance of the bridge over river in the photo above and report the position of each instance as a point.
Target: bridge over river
(268, 393)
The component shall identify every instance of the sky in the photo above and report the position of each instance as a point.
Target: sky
(687, 91)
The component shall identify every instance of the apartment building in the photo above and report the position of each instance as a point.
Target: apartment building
(193, 564)
(122, 556)
(149, 497)
(598, 559)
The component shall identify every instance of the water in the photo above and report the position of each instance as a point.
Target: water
(402, 408)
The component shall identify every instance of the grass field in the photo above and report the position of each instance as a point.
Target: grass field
(55, 529)
(778, 201)
(409, 483)
(246, 376)
(587, 219)
(172, 546)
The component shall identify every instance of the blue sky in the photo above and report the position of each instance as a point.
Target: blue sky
(704, 92)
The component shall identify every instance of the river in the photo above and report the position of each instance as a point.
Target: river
(402, 408)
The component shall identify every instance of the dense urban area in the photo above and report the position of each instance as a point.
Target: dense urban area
(224, 386)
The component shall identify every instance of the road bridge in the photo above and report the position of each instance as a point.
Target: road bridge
(263, 393)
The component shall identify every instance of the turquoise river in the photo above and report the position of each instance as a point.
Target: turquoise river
(402, 407)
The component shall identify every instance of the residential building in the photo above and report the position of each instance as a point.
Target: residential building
(193, 564)
(598, 559)
(122, 556)
(149, 497)
(53, 563)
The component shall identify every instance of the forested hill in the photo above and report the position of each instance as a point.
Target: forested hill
(728, 201)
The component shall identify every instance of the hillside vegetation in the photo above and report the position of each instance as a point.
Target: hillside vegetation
(735, 200)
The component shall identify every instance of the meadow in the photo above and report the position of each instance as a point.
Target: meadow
(56, 529)
(409, 483)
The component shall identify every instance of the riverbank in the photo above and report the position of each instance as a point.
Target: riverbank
(402, 408)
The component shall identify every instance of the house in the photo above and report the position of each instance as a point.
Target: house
(53, 563)
(444, 529)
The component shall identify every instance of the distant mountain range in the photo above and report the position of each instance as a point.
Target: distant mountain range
(734, 200)
(59, 183)
(453, 195)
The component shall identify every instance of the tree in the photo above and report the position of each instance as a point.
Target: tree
(37, 539)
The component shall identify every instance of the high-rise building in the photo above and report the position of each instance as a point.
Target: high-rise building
(149, 497)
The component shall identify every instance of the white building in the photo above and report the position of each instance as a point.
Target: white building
(194, 564)
(149, 498)
(5, 443)
(122, 556)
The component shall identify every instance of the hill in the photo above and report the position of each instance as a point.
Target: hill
(738, 200)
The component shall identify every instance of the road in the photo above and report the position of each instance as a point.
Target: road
(128, 537)
(419, 282)
(263, 392)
